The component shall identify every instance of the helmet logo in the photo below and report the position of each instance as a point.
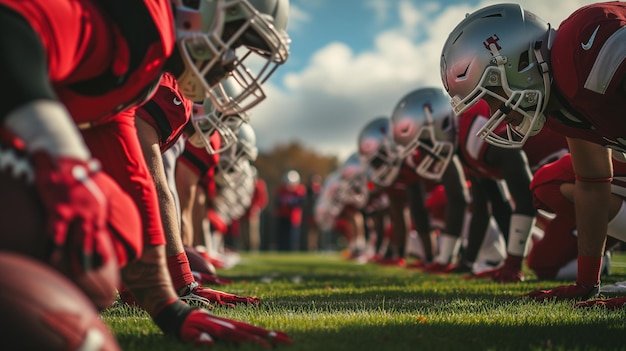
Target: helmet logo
(492, 40)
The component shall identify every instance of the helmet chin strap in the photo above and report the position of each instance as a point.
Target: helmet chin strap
(545, 73)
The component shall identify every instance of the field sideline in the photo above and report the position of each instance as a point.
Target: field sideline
(327, 303)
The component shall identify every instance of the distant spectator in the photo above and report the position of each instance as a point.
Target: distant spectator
(289, 200)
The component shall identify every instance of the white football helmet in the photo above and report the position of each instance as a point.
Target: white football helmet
(378, 151)
(327, 207)
(353, 182)
(424, 119)
(229, 169)
(222, 37)
(500, 51)
(207, 120)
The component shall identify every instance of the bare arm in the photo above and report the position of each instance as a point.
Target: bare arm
(591, 199)
(187, 183)
(149, 141)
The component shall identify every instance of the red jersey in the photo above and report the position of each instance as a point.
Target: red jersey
(289, 202)
(259, 199)
(168, 111)
(587, 63)
(198, 160)
(98, 64)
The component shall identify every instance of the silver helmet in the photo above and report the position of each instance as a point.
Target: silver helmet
(207, 120)
(425, 120)
(243, 40)
(231, 164)
(378, 151)
(500, 52)
(353, 180)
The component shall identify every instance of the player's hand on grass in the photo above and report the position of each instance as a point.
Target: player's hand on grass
(202, 328)
(611, 304)
(567, 292)
(224, 299)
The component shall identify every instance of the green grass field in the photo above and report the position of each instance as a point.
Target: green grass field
(327, 303)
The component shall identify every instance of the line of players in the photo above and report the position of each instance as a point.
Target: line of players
(120, 113)
(508, 73)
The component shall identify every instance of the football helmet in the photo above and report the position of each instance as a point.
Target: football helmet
(378, 151)
(353, 182)
(500, 52)
(423, 119)
(327, 207)
(229, 167)
(207, 119)
(222, 37)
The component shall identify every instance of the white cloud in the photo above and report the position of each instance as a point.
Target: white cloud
(297, 17)
(326, 103)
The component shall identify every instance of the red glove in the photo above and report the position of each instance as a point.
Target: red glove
(510, 272)
(202, 328)
(611, 304)
(219, 297)
(578, 292)
(76, 207)
(204, 278)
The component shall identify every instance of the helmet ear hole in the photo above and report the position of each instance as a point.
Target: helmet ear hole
(524, 61)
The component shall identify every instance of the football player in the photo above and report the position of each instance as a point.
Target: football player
(397, 169)
(554, 256)
(513, 169)
(88, 61)
(572, 80)
(423, 125)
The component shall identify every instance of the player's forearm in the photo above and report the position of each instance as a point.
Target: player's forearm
(592, 212)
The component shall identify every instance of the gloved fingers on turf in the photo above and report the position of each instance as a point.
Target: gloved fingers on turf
(202, 328)
(225, 299)
(611, 304)
(204, 278)
(566, 292)
(274, 337)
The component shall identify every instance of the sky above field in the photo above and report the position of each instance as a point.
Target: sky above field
(352, 60)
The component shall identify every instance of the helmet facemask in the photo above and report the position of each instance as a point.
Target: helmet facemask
(527, 102)
(435, 154)
(207, 120)
(499, 54)
(384, 163)
(229, 44)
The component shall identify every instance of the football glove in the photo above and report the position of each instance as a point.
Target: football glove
(195, 292)
(202, 328)
(205, 278)
(567, 292)
(611, 304)
(75, 195)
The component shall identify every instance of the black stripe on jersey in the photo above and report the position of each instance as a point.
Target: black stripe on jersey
(201, 166)
(160, 118)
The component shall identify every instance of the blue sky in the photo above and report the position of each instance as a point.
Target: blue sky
(353, 60)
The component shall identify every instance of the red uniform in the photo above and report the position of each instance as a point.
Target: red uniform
(587, 62)
(98, 66)
(547, 146)
(559, 244)
(168, 111)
